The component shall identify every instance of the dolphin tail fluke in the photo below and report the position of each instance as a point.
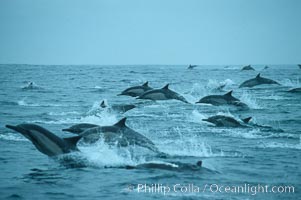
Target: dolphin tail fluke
(246, 120)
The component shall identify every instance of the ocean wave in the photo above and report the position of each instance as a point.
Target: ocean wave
(99, 120)
(63, 113)
(12, 137)
(281, 145)
(23, 102)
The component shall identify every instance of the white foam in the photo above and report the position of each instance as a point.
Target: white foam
(249, 100)
(102, 155)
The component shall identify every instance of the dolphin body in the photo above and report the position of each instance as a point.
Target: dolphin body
(226, 99)
(191, 66)
(295, 90)
(162, 94)
(258, 80)
(136, 90)
(118, 134)
(248, 67)
(122, 108)
(226, 121)
(45, 141)
(79, 128)
(299, 66)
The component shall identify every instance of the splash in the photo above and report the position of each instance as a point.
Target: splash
(290, 83)
(249, 100)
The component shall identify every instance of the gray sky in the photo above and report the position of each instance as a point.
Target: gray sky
(150, 32)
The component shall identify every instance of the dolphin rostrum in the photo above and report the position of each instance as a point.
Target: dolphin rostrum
(258, 80)
(226, 99)
(136, 90)
(45, 141)
(162, 94)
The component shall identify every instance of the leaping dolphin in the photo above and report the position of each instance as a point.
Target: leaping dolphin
(45, 141)
(258, 80)
(121, 108)
(136, 90)
(227, 121)
(226, 99)
(118, 134)
(162, 94)
(248, 67)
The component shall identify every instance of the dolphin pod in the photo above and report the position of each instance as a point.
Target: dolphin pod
(136, 90)
(226, 99)
(118, 133)
(45, 141)
(258, 80)
(162, 94)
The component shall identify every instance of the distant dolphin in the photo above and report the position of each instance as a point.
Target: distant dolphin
(299, 66)
(122, 108)
(248, 67)
(227, 121)
(266, 67)
(226, 99)
(45, 141)
(30, 86)
(118, 134)
(295, 90)
(162, 94)
(258, 80)
(79, 128)
(192, 66)
(136, 90)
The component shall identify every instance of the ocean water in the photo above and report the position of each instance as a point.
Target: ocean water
(231, 157)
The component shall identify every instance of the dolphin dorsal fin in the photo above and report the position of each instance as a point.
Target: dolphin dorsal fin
(121, 122)
(166, 87)
(246, 120)
(229, 93)
(145, 84)
(258, 75)
(72, 141)
(102, 104)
